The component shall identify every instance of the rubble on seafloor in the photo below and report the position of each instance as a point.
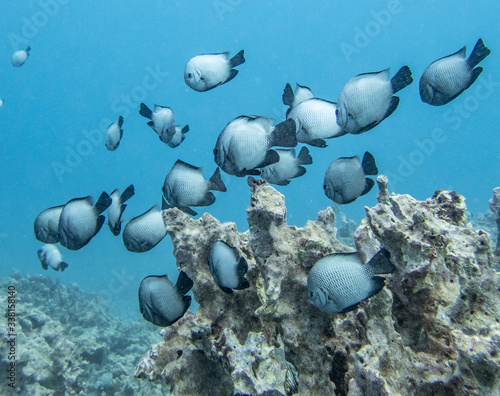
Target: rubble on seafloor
(68, 343)
(434, 328)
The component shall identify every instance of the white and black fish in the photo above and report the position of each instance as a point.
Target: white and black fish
(338, 282)
(316, 118)
(227, 267)
(185, 186)
(47, 225)
(367, 99)
(145, 231)
(163, 303)
(50, 256)
(162, 121)
(114, 134)
(448, 77)
(345, 178)
(287, 167)
(81, 220)
(19, 57)
(204, 72)
(178, 137)
(245, 144)
(117, 207)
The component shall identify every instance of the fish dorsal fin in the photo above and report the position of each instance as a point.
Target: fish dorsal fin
(288, 96)
(103, 202)
(369, 166)
(225, 54)
(356, 158)
(350, 257)
(145, 111)
(127, 194)
(182, 164)
(153, 208)
(382, 74)
(184, 283)
(120, 121)
(302, 93)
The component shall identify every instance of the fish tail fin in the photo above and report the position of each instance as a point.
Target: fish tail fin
(238, 59)
(288, 95)
(304, 157)
(368, 164)
(63, 266)
(284, 134)
(145, 111)
(127, 194)
(185, 129)
(402, 79)
(479, 52)
(184, 283)
(381, 262)
(216, 182)
(28, 49)
(103, 202)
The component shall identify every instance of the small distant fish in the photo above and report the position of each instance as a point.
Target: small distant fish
(1, 102)
(145, 231)
(178, 137)
(185, 186)
(287, 167)
(114, 134)
(47, 225)
(162, 303)
(117, 207)
(315, 118)
(227, 267)
(19, 57)
(367, 99)
(245, 144)
(80, 221)
(339, 282)
(448, 77)
(162, 121)
(345, 178)
(50, 256)
(204, 72)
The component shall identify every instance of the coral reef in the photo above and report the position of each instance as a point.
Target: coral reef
(495, 208)
(434, 328)
(69, 343)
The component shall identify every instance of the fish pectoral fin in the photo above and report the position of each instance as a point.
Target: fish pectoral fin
(369, 183)
(226, 290)
(392, 107)
(317, 143)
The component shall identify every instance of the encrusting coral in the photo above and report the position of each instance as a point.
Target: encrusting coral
(434, 328)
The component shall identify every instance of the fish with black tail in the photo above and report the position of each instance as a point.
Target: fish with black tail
(46, 225)
(288, 166)
(245, 144)
(205, 72)
(162, 121)
(114, 134)
(315, 118)
(227, 267)
(178, 136)
(50, 256)
(448, 77)
(185, 186)
(368, 99)
(117, 207)
(145, 231)
(163, 303)
(19, 57)
(81, 220)
(337, 283)
(345, 178)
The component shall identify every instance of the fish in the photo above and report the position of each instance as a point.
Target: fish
(245, 144)
(145, 231)
(162, 121)
(117, 207)
(288, 167)
(114, 134)
(178, 137)
(447, 77)
(227, 267)
(81, 220)
(205, 72)
(345, 178)
(367, 99)
(19, 57)
(185, 186)
(337, 283)
(163, 303)
(2, 102)
(50, 256)
(316, 118)
(46, 225)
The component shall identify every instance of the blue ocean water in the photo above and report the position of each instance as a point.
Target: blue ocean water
(93, 61)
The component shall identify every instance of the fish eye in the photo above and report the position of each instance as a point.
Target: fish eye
(202, 78)
(190, 75)
(311, 294)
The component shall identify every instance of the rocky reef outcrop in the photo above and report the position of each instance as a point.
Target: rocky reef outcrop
(69, 343)
(434, 328)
